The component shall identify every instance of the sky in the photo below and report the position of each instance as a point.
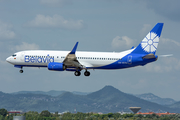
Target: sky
(98, 25)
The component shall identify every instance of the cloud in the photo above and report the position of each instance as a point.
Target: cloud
(168, 45)
(5, 31)
(167, 64)
(170, 41)
(26, 46)
(146, 28)
(122, 42)
(54, 3)
(166, 8)
(157, 68)
(174, 62)
(56, 21)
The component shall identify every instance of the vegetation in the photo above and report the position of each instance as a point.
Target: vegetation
(46, 115)
(3, 112)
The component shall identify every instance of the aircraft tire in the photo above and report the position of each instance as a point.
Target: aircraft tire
(87, 73)
(77, 73)
(21, 71)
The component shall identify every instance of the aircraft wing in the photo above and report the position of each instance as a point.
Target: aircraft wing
(85, 64)
(71, 61)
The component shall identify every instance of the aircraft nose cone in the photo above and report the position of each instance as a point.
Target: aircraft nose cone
(8, 59)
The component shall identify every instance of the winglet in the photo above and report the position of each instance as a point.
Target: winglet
(74, 49)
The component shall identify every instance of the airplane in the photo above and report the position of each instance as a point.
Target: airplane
(81, 60)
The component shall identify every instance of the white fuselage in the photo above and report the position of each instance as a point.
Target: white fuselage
(41, 58)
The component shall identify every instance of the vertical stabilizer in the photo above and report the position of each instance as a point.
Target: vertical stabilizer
(150, 43)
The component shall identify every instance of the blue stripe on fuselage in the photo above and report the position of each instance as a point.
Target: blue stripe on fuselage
(130, 60)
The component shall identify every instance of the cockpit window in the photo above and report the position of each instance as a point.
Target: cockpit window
(14, 55)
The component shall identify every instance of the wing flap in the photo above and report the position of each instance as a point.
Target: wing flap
(70, 60)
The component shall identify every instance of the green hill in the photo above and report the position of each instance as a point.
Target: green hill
(175, 105)
(108, 99)
(153, 98)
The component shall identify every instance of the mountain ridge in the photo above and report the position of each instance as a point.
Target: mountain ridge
(146, 96)
(156, 99)
(105, 100)
(51, 92)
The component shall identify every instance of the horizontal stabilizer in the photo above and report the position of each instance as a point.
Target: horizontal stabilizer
(149, 56)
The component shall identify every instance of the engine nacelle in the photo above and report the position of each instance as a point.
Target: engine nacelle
(56, 66)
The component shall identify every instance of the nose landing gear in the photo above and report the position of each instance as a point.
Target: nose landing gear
(21, 71)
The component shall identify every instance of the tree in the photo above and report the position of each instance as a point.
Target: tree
(45, 113)
(1, 117)
(3, 112)
(110, 115)
(56, 114)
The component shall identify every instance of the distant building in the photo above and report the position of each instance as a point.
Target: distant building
(100, 113)
(19, 118)
(122, 113)
(135, 109)
(150, 113)
(13, 112)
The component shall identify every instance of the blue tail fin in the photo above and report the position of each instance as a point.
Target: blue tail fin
(150, 43)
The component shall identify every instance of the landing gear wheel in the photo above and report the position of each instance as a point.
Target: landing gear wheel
(77, 73)
(87, 73)
(21, 71)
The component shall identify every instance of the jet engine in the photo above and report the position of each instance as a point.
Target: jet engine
(56, 66)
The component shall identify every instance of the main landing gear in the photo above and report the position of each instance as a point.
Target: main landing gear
(21, 71)
(78, 73)
(86, 73)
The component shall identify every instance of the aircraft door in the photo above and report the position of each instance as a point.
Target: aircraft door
(129, 59)
(21, 56)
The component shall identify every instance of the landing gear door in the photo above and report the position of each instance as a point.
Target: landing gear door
(129, 59)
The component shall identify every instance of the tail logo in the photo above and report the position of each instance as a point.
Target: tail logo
(150, 42)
